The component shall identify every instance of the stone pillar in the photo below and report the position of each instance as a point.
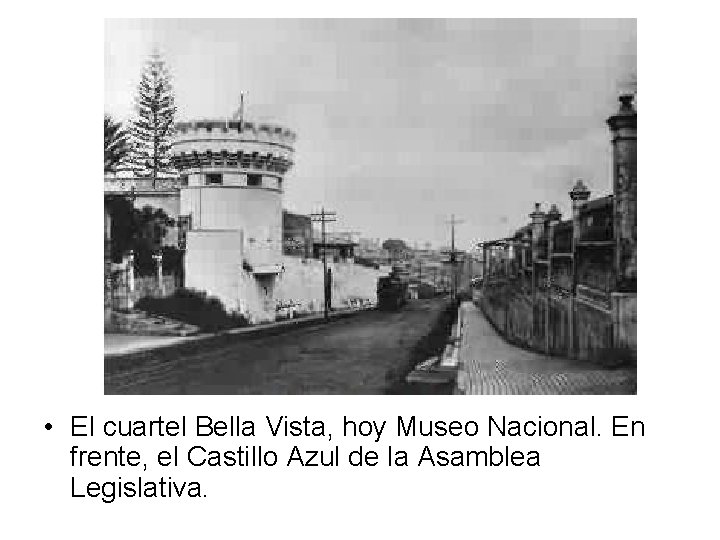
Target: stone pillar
(537, 217)
(484, 264)
(158, 260)
(552, 217)
(623, 127)
(579, 195)
(130, 266)
(506, 258)
(129, 260)
(537, 224)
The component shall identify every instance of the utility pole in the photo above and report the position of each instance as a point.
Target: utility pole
(324, 217)
(453, 254)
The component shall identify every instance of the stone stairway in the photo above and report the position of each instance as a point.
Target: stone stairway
(141, 323)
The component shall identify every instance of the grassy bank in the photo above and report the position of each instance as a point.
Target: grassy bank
(432, 344)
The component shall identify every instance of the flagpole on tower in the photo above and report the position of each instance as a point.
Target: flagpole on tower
(240, 112)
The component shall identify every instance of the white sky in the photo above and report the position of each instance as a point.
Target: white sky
(403, 122)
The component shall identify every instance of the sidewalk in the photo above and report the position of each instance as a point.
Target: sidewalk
(490, 365)
(124, 344)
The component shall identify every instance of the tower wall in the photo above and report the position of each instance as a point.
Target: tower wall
(232, 175)
(254, 211)
(234, 149)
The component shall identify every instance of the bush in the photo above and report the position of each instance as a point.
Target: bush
(193, 307)
(614, 357)
(432, 344)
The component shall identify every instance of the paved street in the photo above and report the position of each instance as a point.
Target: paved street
(368, 353)
(493, 366)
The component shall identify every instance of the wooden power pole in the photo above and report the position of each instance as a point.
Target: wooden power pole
(324, 217)
(453, 254)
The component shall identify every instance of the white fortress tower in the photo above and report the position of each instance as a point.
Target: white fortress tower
(231, 176)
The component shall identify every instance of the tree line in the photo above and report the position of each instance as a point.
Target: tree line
(142, 147)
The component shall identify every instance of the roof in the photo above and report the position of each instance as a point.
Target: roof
(597, 204)
(567, 224)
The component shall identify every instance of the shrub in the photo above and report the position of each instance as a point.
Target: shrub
(193, 307)
(431, 344)
(614, 357)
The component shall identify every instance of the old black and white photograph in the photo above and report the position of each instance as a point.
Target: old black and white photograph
(370, 206)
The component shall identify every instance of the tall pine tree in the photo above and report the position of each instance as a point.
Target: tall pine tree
(153, 127)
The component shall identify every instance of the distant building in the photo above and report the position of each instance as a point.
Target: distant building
(297, 235)
(338, 246)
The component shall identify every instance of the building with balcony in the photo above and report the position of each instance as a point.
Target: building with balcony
(337, 246)
(569, 286)
(297, 235)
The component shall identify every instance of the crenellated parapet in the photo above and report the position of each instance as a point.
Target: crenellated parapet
(233, 146)
(257, 131)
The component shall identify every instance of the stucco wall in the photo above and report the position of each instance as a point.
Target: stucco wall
(213, 262)
(256, 212)
(301, 283)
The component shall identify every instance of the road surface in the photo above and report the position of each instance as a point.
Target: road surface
(368, 353)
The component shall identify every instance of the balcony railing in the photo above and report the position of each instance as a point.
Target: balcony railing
(602, 232)
(542, 253)
(596, 276)
(563, 242)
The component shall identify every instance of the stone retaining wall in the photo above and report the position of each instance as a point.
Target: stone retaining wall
(572, 327)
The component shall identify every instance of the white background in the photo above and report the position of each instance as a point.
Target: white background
(663, 485)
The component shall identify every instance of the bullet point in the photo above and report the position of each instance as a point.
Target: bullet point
(48, 426)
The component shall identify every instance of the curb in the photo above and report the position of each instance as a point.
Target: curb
(446, 367)
(249, 331)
